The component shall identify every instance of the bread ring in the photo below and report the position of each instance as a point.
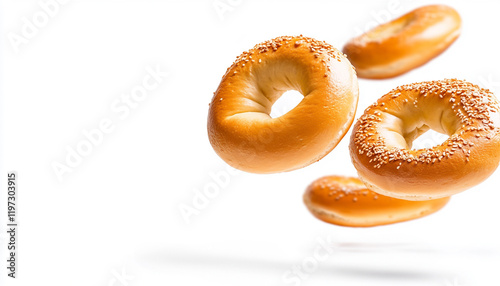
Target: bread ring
(239, 126)
(346, 201)
(382, 138)
(405, 43)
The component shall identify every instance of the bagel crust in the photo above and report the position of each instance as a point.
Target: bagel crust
(405, 43)
(240, 128)
(345, 201)
(381, 140)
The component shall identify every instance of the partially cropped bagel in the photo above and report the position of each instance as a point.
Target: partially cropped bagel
(240, 128)
(381, 140)
(405, 43)
(346, 201)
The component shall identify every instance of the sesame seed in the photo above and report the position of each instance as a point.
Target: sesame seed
(470, 103)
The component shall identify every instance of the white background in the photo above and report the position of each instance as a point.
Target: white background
(115, 218)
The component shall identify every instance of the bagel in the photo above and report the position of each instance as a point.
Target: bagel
(346, 201)
(381, 140)
(242, 132)
(405, 43)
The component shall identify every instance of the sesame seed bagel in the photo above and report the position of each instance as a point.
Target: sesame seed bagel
(381, 140)
(405, 43)
(240, 128)
(346, 201)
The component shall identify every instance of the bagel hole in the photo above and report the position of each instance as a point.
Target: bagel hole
(285, 103)
(429, 140)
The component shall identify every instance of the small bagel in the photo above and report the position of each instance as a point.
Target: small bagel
(405, 43)
(240, 128)
(381, 140)
(346, 201)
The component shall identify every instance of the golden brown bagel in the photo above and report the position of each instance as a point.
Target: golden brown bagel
(239, 126)
(381, 140)
(405, 43)
(346, 201)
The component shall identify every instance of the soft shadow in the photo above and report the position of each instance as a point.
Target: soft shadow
(327, 269)
(212, 261)
(385, 274)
